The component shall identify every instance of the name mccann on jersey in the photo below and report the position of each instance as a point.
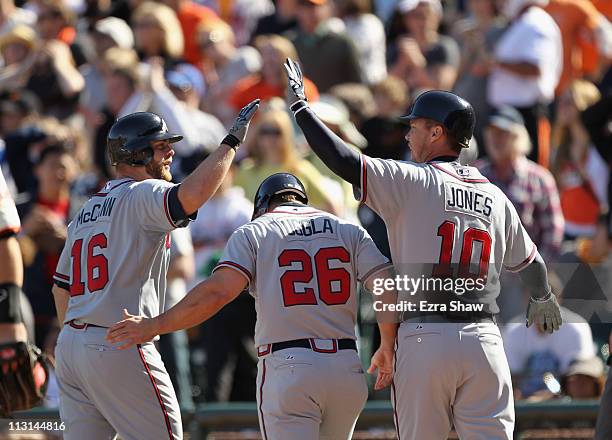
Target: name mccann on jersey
(426, 306)
(305, 228)
(98, 210)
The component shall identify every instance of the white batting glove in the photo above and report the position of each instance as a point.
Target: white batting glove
(295, 83)
(237, 134)
(544, 311)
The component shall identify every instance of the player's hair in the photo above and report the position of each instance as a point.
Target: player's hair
(168, 22)
(451, 141)
(283, 198)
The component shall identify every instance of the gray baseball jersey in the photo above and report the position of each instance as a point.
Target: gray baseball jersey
(446, 220)
(116, 256)
(303, 265)
(117, 252)
(9, 219)
(442, 216)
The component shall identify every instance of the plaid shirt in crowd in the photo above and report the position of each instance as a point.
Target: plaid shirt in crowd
(533, 192)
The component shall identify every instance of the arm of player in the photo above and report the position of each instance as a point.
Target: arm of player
(202, 302)
(200, 185)
(332, 150)
(543, 307)
(382, 360)
(61, 298)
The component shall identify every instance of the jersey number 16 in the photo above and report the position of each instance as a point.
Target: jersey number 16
(93, 262)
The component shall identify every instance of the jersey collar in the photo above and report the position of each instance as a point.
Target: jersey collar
(444, 159)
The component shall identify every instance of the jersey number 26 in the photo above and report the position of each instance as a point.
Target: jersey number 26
(325, 276)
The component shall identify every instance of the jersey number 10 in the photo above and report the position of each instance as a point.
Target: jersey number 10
(444, 268)
(325, 276)
(99, 261)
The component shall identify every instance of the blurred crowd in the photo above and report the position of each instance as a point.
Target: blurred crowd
(536, 71)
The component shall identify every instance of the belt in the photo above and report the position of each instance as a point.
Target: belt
(81, 326)
(466, 317)
(337, 344)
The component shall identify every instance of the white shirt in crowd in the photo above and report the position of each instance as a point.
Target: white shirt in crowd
(573, 341)
(533, 38)
(368, 34)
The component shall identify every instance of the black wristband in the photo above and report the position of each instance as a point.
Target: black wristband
(10, 307)
(232, 141)
(298, 106)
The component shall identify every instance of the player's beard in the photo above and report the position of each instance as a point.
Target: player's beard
(158, 170)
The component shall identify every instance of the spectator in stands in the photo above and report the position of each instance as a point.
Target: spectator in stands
(191, 15)
(271, 81)
(226, 338)
(584, 379)
(580, 24)
(106, 33)
(272, 150)
(155, 31)
(11, 15)
(229, 64)
(328, 57)
(530, 187)
(582, 175)
(282, 20)
(525, 68)
(477, 35)
(244, 17)
(531, 352)
(46, 68)
(187, 85)
(17, 109)
(18, 51)
(422, 57)
(358, 99)
(367, 33)
(45, 214)
(121, 80)
(57, 22)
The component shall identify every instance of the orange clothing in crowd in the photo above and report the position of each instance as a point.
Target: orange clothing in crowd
(577, 20)
(190, 15)
(252, 87)
(605, 7)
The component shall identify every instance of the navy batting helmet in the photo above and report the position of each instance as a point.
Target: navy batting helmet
(129, 139)
(279, 183)
(452, 111)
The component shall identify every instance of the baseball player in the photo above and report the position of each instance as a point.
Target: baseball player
(116, 257)
(23, 372)
(302, 266)
(444, 221)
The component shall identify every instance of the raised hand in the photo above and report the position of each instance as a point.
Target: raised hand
(295, 83)
(241, 124)
(545, 312)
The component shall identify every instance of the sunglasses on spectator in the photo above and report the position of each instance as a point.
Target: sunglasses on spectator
(270, 131)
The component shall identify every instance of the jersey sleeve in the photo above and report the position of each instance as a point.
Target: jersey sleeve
(61, 277)
(239, 254)
(9, 219)
(385, 184)
(153, 201)
(370, 260)
(520, 250)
